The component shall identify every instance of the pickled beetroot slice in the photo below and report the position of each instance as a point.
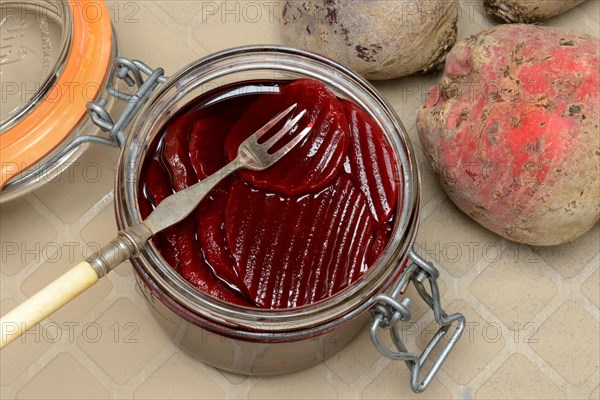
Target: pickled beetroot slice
(176, 153)
(345, 233)
(156, 190)
(177, 244)
(371, 162)
(207, 145)
(211, 235)
(181, 238)
(155, 187)
(207, 155)
(182, 175)
(380, 239)
(294, 251)
(313, 163)
(200, 275)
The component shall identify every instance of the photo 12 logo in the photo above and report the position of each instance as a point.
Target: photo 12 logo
(488, 332)
(90, 332)
(48, 12)
(240, 11)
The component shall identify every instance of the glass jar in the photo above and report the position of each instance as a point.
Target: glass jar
(56, 57)
(255, 341)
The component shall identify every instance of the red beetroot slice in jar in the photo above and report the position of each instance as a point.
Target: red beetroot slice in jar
(207, 145)
(313, 163)
(176, 243)
(176, 153)
(169, 240)
(157, 189)
(211, 235)
(200, 275)
(380, 239)
(295, 251)
(182, 236)
(207, 155)
(372, 162)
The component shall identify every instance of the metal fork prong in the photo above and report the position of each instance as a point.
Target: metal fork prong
(284, 130)
(266, 127)
(288, 146)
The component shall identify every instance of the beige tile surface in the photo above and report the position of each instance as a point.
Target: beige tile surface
(17, 358)
(224, 24)
(533, 315)
(483, 341)
(469, 243)
(122, 333)
(575, 360)
(570, 258)
(307, 384)
(22, 245)
(63, 378)
(590, 288)
(389, 383)
(93, 173)
(185, 381)
(518, 378)
(519, 299)
(356, 359)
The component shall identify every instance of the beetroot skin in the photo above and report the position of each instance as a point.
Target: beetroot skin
(513, 132)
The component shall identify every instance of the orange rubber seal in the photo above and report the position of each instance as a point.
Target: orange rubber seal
(82, 78)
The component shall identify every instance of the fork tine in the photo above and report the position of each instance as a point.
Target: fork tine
(290, 145)
(266, 127)
(285, 129)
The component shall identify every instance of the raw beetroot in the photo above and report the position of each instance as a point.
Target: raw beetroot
(528, 11)
(378, 39)
(513, 132)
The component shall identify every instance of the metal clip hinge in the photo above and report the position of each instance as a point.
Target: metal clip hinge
(131, 72)
(389, 311)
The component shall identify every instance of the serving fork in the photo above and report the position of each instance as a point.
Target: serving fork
(254, 153)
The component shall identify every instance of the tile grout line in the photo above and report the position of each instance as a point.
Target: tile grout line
(128, 388)
(43, 360)
(42, 209)
(372, 373)
(568, 287)
(185, 29)
(94, 211)
(517, 347)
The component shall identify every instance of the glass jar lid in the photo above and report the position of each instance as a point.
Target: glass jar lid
(35, 44)
(54, 55)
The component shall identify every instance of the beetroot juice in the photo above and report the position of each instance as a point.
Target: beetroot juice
(291, 235)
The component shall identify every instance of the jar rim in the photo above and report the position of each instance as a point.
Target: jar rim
(179, 89)
(60, 111)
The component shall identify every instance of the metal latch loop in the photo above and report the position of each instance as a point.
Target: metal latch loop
(131, 72)
(389, 311)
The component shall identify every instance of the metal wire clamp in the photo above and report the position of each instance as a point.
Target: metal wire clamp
(131, 72)
(388, 312)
